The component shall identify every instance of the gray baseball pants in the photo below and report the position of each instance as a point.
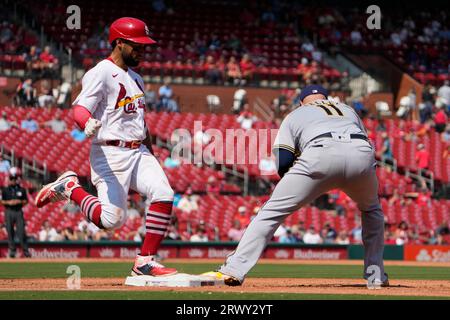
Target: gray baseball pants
(324, 164)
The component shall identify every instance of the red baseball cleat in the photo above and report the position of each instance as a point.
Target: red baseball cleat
(148, 266)
(59, 190)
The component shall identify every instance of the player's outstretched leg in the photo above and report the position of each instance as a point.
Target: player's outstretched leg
(67, 187)
(157, 221)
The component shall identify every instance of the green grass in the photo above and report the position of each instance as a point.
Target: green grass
(120, 269)
(174, 295)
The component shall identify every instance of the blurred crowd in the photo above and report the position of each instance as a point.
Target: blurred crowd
(57, 125)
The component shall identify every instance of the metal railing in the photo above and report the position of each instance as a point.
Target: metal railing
(30, 169)
(262, 109)
(422, 175)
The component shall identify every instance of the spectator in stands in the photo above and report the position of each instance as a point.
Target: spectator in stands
(396, 198)
(46, 98)
(312, 237)
(188, 202)
(246, 118)
(338, 200)
(443, 229)
(213, 186)
(445, 136)
(440, 120)
(56, 124)
(33, 62)
(247, 69)
(342, 238)
(19, 98)
(5, 125)
(288, 238)
(426, 109)
(267, 166)
(26, 93)
(239, 100)
(29, 124)
(77, 134)
(444, 94)
(356, 232)
(401, 233)
(150, 97)
(13, 197)
(299, 231)
(328, 233)
(233, 43)
(101, 235)
(307, 46)
(4, 165)
(68, 234)
(422, 158)
(236, 231)
(49, 62)
(233, 72)
(396, 39)
(381, 126)
(200, 235)
(48, 233)
(386, 151)
(6, 33)
(213, 74)
(432, 238)
(355, 36)
(171, 163)
(166, 101)
(242, 216)
(173, 234)
(132, 212)
(359, 108)
(86, 230)
(389, 237)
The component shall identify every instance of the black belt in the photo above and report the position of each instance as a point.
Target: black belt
(352, 136)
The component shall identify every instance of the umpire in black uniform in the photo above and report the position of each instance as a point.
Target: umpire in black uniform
(14, 197)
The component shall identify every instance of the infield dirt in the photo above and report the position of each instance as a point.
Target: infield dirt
(266, 285)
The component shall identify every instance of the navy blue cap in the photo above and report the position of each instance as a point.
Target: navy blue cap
(313, 89)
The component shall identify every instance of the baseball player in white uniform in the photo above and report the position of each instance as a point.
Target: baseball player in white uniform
(322, 145)
(110, 108)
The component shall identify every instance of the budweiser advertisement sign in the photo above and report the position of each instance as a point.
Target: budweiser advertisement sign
(306, 253)
(204, 252)
(427, 253)
(128, 252)
(57, 252)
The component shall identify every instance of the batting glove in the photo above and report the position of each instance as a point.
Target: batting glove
(91, 127)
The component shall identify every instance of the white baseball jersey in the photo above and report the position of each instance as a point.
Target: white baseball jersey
(309, 121)
(116, 98)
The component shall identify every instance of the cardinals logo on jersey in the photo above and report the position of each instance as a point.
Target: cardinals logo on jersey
(129, 103)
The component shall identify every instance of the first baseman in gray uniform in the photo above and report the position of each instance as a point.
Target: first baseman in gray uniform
(325, 146)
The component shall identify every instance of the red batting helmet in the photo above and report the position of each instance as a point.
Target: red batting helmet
(131, 29)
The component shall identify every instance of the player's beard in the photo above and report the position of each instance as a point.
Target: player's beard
(129, 60)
